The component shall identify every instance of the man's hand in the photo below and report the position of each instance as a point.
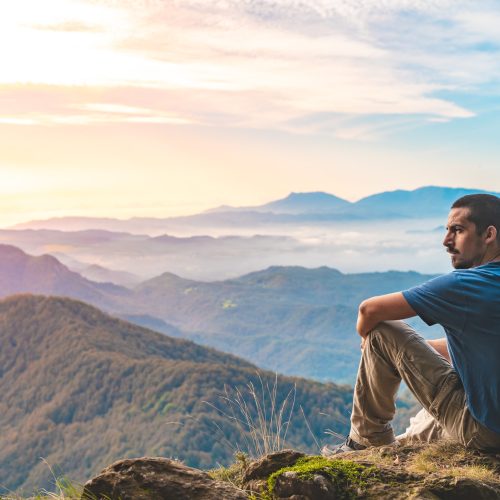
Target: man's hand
(382, 308)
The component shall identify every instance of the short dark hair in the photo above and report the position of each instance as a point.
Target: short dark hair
(484, 211)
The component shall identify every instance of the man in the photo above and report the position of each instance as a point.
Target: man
(456, 379)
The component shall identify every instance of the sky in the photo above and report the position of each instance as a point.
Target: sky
(167, 107)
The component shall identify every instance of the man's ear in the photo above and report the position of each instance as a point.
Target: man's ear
(491, 234)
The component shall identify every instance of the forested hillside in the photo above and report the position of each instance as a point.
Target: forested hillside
(290, 319)
(82, 389)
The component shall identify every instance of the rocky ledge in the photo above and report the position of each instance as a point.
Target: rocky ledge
(439, 471)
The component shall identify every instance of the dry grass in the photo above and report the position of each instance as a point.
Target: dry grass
(476, 472)
(232, 474)
(260, 417)
(65, 490)
(452, 459)
(374, 455)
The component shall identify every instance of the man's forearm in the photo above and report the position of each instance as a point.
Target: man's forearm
(382, 308)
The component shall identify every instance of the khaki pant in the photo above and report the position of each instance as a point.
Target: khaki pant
(394, 352)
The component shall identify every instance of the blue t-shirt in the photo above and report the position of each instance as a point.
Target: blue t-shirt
(466, 302)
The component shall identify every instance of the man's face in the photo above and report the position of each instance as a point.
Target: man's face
(466, 247)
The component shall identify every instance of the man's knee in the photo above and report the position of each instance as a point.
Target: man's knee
(394, 332)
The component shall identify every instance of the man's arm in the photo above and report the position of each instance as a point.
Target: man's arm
(392, 306)
(382, 308)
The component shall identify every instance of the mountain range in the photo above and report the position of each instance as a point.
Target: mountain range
(81, 389)
(289, 319)
(293, 320)
(432, 202)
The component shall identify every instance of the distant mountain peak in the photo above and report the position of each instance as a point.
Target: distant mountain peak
(220, 208)
(44, 274)
(311, 195)
(10, 250)
(425, 201)
(297, 207)
(294, 203)
(313, 202)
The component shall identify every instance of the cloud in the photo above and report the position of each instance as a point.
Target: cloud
(51, 105)
(69, 27)
(266, 64)
(110, 112)
(311, 56)
(14, 120)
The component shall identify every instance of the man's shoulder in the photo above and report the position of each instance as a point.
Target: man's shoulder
(447, 280)
(468, 286)
(439, 286)
(491, 269)
(459, 281)
(487, 272)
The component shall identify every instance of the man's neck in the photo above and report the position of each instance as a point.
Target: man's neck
(493, 256)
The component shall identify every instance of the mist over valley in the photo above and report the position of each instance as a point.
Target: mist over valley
(389, 231)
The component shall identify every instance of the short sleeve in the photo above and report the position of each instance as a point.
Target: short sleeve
(440, 300)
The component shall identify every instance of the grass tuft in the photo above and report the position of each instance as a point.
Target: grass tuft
(232, 474)
(262, 420)
(65, 489)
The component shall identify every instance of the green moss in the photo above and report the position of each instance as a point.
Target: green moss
(348, 476)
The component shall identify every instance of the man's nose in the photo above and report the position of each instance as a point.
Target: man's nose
(448, 239)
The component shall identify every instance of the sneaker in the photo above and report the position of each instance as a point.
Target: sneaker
(347, 445)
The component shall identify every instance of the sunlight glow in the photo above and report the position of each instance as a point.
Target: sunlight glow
(166, 106)
(19, 181)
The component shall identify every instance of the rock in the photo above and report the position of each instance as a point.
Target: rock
(157, 479)
(265, 466)
(289, 486)
(256, 474)
(458, 489)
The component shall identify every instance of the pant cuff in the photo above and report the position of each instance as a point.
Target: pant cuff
(379, 440)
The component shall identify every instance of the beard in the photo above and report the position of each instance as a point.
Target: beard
(459, 263)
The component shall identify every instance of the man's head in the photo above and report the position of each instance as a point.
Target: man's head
(473, 230)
